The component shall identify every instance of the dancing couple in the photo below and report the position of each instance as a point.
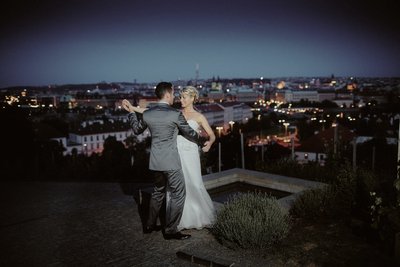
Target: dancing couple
(175, 160)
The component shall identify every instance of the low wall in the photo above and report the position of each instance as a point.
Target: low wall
(283, 183)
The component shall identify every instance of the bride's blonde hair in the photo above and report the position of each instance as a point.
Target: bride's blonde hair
(191, 91)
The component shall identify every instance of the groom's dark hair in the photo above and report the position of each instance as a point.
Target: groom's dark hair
(162, 88)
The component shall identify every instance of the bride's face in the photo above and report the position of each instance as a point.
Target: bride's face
(186, 100)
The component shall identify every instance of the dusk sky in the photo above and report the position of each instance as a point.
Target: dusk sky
(87, 41)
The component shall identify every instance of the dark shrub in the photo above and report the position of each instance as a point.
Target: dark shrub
(251, 220)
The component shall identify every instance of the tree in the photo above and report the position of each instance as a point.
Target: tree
(139, 152)
(17, 153)
(115, 160)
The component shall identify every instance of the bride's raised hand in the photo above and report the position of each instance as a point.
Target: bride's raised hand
(207, 146)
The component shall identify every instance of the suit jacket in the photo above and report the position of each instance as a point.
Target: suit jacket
(164, 123)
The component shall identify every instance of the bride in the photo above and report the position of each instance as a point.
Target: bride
(198, 210)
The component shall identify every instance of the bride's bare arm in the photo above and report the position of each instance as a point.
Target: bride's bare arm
(209, 131)
(130, 108)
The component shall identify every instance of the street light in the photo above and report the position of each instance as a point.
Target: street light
(323, 124)
(286, 124)
(231, 123)
(219, 128)
(335, 137)
(85, 148)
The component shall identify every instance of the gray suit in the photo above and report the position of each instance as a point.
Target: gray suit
(164, 123)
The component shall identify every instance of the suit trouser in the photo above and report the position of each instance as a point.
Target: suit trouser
(174, 182)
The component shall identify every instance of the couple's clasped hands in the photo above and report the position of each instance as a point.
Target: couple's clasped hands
(127, 105)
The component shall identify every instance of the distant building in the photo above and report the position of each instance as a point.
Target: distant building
(245, 94)
(326, 95)
(379, 99)
(316, 148)
(214, 113)
(46, 100)
(214, 96)
(345, 103)
(90, 137)
(236, 112)
(287, 95)
(95, 101)
(364, 139)
(68, 101)
(216, 86)
(223, 113)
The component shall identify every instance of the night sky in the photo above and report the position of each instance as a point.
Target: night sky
(86, 41)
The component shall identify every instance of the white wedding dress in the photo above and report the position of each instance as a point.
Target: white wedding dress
(198, 211)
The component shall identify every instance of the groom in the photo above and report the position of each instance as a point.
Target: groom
(164, 123)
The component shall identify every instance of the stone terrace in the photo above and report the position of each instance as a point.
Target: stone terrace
(92, 224)
(99, 224)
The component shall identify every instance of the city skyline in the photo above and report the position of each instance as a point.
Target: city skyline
(62, 42)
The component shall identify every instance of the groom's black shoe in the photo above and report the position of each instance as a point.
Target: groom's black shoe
(178, 236)
(149, 229)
